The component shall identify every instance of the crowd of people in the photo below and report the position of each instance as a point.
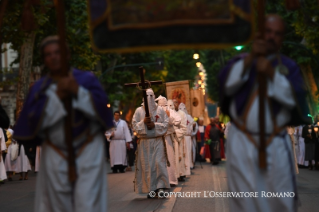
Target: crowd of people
(167, 144)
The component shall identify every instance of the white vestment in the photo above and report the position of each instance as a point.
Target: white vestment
(194, 139)
(171, 139)
(37, 159)
(188, 144)
(291, 133)
(151, 167)
(243, 171)
(54, 192)
(21, 164)
(3, 147)
(180, 133)
(118, 144)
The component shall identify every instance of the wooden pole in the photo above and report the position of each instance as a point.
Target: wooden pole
(60, 12)
(262, 93)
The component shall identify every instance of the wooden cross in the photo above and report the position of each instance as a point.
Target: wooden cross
(262, 90)
(60, 12)
(144, 84)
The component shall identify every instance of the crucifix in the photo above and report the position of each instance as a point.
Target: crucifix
(144, 85)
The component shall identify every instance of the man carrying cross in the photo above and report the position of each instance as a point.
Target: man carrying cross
(284, 104)
(42, 119)
(151, 165)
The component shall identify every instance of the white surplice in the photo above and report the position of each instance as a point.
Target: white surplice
(171, 140)
(3, 147)
(118, 144)
(151, 168)
(54, 192)
(180, 133)
(194, 139)
(243, 172)
(21, 164)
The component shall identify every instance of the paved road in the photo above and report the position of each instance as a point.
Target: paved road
(18, 196)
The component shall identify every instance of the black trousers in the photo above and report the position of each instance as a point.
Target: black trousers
(131, 157)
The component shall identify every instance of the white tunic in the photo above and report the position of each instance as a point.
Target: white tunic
(54, 192)
(171, 139)
(188, 144)
(194, 137)
(243, 172)
(118, 144)
(151, 167)
(180, 133)
(3, 173)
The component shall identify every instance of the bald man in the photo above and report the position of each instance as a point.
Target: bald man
(285, 105)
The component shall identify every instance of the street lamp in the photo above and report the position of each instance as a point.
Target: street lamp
(196, 56)
(198, 64)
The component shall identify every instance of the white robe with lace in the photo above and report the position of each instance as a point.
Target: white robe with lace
(243, 172)
(151, 168)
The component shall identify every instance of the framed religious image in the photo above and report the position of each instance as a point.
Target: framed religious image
(179, 90)
(197, 103)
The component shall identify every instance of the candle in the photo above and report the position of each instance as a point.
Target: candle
(318, 123)
(223, 125)
(316, 129)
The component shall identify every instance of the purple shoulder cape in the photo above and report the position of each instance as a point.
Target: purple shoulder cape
(300, 111)
(31, 116)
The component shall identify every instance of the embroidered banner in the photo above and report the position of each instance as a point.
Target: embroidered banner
(143, 25)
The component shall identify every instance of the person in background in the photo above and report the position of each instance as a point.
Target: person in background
(200, 137)
(310, 138)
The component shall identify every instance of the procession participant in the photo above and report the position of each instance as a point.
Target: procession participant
(170, 139)
(119, 142)
(16, 160)
(188, 138)
(180, 133)
(194, 140)
(42, 118)
(3, 174)
(150, 169)
(247, 168)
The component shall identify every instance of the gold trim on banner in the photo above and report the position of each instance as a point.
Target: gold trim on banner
(111, 26)
(169, 46)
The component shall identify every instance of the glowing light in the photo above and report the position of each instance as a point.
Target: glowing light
(121, 112)
(108, 105)
(198, 64)
(203, 86)
(201, 73)
(135, 133)
(238, 48)
(196, 56)
(199, 82)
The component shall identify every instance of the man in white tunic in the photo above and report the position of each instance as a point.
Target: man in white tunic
(151, 172)
(180, 133)
(3, 174)
(120, 140)
(239, 100)
(170, 139)
(188, 138)
(42, 119)
(301, 147)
